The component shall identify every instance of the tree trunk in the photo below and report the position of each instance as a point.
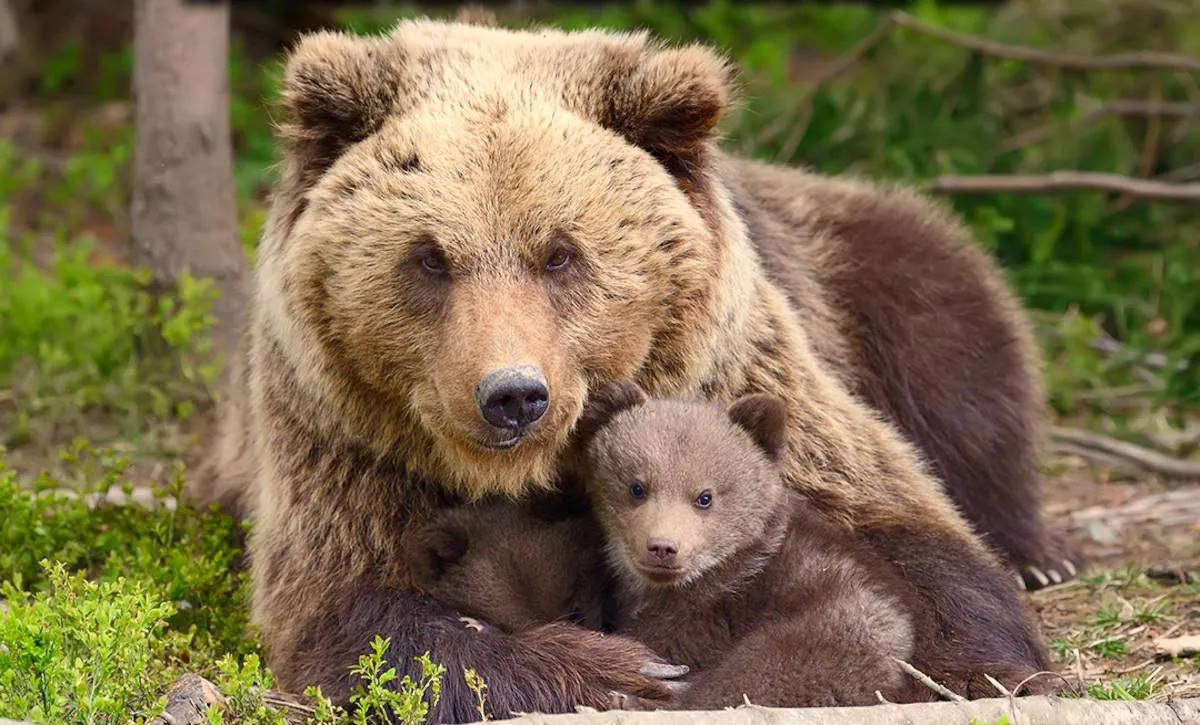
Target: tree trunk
(184, 214)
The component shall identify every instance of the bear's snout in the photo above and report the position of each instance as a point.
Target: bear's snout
(513, 398)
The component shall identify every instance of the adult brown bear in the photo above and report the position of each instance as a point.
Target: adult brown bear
(475, 227)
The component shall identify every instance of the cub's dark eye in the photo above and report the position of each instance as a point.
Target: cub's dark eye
(637, 491)
(704, 500)
(433, 263)
(558, 260)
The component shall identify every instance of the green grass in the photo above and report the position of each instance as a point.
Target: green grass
(1125, 688)
(104, 608)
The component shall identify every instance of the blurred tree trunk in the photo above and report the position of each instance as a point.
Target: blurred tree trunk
(184, 214)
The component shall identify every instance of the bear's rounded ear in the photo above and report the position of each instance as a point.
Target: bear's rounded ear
(605, 402)
(337, 90)
(670, 104)
(764, 417)
(438, 547)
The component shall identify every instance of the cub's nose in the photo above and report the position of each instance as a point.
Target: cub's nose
(513, 397)
(662, 551)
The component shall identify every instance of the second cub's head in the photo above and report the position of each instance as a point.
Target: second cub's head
(680, 486)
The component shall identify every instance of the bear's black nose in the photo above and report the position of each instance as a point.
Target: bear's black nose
(513, 397)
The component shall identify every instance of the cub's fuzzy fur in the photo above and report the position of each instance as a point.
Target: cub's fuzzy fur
(758, 593)
(429, 176)
(503, 564)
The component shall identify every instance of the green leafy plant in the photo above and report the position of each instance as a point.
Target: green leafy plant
(1126, 688)
(81, 651)
(245, 686)
(479, 688)
(380, 697)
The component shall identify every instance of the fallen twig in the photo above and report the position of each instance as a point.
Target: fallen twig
(996, 684)
(1109, 448)
(1060, 181)
(928, 681)
(1061, 711)
(1078, 689)
(1138, 60)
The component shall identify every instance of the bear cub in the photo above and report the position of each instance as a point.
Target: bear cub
(713, 562)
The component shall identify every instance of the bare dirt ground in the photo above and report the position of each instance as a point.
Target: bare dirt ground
(1140, 540)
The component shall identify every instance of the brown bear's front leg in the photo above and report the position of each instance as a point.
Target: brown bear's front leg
(552, 668)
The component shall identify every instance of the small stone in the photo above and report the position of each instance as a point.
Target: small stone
(1101, 532)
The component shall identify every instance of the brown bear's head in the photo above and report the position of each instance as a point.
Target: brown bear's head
(477, 226)
(679, 486)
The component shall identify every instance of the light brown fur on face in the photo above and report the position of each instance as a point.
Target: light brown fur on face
(651, 469)
(433, 179)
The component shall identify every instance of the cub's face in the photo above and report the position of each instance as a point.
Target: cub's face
(509, 569)
(481, 259)
(680, 486)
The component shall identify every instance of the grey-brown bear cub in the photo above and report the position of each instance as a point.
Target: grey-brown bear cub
(714, 563)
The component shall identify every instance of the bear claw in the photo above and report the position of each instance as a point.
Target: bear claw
(664, 671)
(471, 623)
(1069, 567)
(1038, 574)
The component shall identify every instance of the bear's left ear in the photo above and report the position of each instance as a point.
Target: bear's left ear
(670, 104)
(604, 403)
(764, 417)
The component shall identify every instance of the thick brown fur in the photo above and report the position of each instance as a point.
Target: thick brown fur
(487, 151)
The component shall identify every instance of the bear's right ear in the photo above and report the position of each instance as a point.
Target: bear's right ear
(605, 402)
(764, 417)
(337, 90)
(440, 546)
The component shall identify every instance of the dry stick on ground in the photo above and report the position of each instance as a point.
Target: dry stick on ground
(928, 681)
(1019, 711)
(1060, 181)
(1123, 61)
(1109, 448)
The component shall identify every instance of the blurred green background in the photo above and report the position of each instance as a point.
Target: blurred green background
(1113, 281)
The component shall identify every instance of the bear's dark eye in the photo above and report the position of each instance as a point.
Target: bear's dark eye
(558, 260)
(637, 491)
(434, 263)
(704, 500)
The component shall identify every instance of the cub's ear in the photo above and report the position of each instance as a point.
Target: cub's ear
(670, 105)
(337, 90)
(605, 402)
(764, 417)
(438, 547)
